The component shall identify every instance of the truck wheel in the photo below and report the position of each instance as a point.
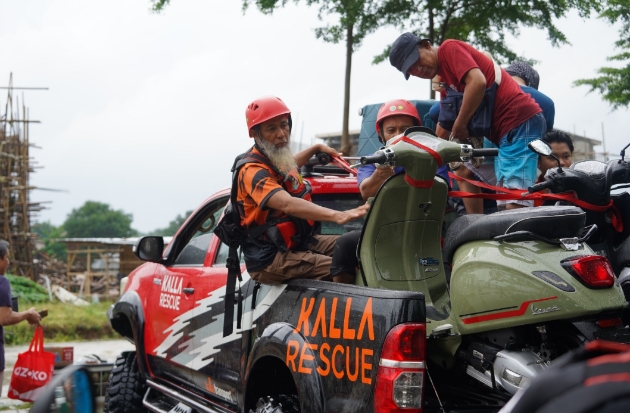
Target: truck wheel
(282, 404)
(126, 386)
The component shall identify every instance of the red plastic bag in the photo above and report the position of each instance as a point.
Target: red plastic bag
(33, 370)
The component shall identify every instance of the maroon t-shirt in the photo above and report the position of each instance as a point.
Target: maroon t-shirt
(512, 106)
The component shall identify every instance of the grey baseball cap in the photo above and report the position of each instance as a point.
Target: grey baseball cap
(404, 52)
(525, 72)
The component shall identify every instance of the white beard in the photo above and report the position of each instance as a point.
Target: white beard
(281, 158)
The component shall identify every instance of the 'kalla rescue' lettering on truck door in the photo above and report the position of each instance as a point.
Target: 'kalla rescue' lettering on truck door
(340, 352)
(171, 292)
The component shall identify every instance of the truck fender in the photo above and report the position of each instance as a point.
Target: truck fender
(273, 343)
(127, 317)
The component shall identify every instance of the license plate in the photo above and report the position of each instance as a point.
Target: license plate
(181, 408)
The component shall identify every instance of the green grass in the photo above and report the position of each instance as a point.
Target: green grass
(65, 322)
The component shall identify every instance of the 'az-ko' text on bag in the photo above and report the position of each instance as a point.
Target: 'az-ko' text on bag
(33, 370)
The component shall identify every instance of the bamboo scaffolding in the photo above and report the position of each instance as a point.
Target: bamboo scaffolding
(16, 209)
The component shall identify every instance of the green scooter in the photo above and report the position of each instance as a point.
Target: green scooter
(507, 293)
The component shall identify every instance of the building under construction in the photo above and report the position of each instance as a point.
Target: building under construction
(16, 210)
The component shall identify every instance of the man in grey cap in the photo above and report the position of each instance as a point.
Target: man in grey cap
(516, 118)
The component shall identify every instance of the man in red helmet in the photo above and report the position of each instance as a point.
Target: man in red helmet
(274, 203)
(393, 118)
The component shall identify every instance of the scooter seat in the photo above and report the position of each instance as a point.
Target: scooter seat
(552, 222)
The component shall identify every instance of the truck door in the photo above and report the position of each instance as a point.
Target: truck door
(177, 293)
(217, 365)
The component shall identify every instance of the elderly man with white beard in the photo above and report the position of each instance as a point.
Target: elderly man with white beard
(274, 203)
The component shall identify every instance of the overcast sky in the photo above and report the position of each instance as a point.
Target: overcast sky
(145, 111)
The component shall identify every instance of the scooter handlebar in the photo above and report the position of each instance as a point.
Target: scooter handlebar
(321, 158)
(540, 186)
(378, 157)
(485, 152)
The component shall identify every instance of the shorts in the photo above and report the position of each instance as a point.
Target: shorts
(516, 165)
(313, 264)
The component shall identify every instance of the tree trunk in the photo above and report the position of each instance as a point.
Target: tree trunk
(346, 145)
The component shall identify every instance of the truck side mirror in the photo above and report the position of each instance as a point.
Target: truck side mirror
(149, 249)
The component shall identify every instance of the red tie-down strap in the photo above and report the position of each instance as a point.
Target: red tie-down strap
(414, 182)
(507, 194)
(431, 152)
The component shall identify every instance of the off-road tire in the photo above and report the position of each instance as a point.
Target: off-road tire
(126, 386)
(283, 403)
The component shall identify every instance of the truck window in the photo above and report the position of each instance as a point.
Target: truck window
(339, 202)
(194, 253)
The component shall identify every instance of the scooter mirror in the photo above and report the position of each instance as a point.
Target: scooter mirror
(540, 147)
(623, 153)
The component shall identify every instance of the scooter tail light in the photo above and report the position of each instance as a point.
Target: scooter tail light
(592, 270)
(400, 377)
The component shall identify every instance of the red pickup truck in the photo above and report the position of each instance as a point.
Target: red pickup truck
(302, 346)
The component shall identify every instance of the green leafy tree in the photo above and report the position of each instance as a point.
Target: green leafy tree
(158, 5)
(355, 19)
(173, 226)
(49, 234)
(96, 219)
(614, 83)
(481, 24)
(478, 22)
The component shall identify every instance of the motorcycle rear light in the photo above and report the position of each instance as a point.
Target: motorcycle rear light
(593, 270)
(400, 376)
(611, 322)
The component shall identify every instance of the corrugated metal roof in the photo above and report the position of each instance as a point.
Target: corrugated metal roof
(109, 241)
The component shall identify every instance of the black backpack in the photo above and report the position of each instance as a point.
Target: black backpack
(592, 379)
(231, 233)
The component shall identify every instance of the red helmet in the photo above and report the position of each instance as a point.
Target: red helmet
(394, 108)
(263, 109)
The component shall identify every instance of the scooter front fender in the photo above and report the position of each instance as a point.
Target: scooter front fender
(496, 285)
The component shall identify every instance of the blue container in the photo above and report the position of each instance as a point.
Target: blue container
(368, 140)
